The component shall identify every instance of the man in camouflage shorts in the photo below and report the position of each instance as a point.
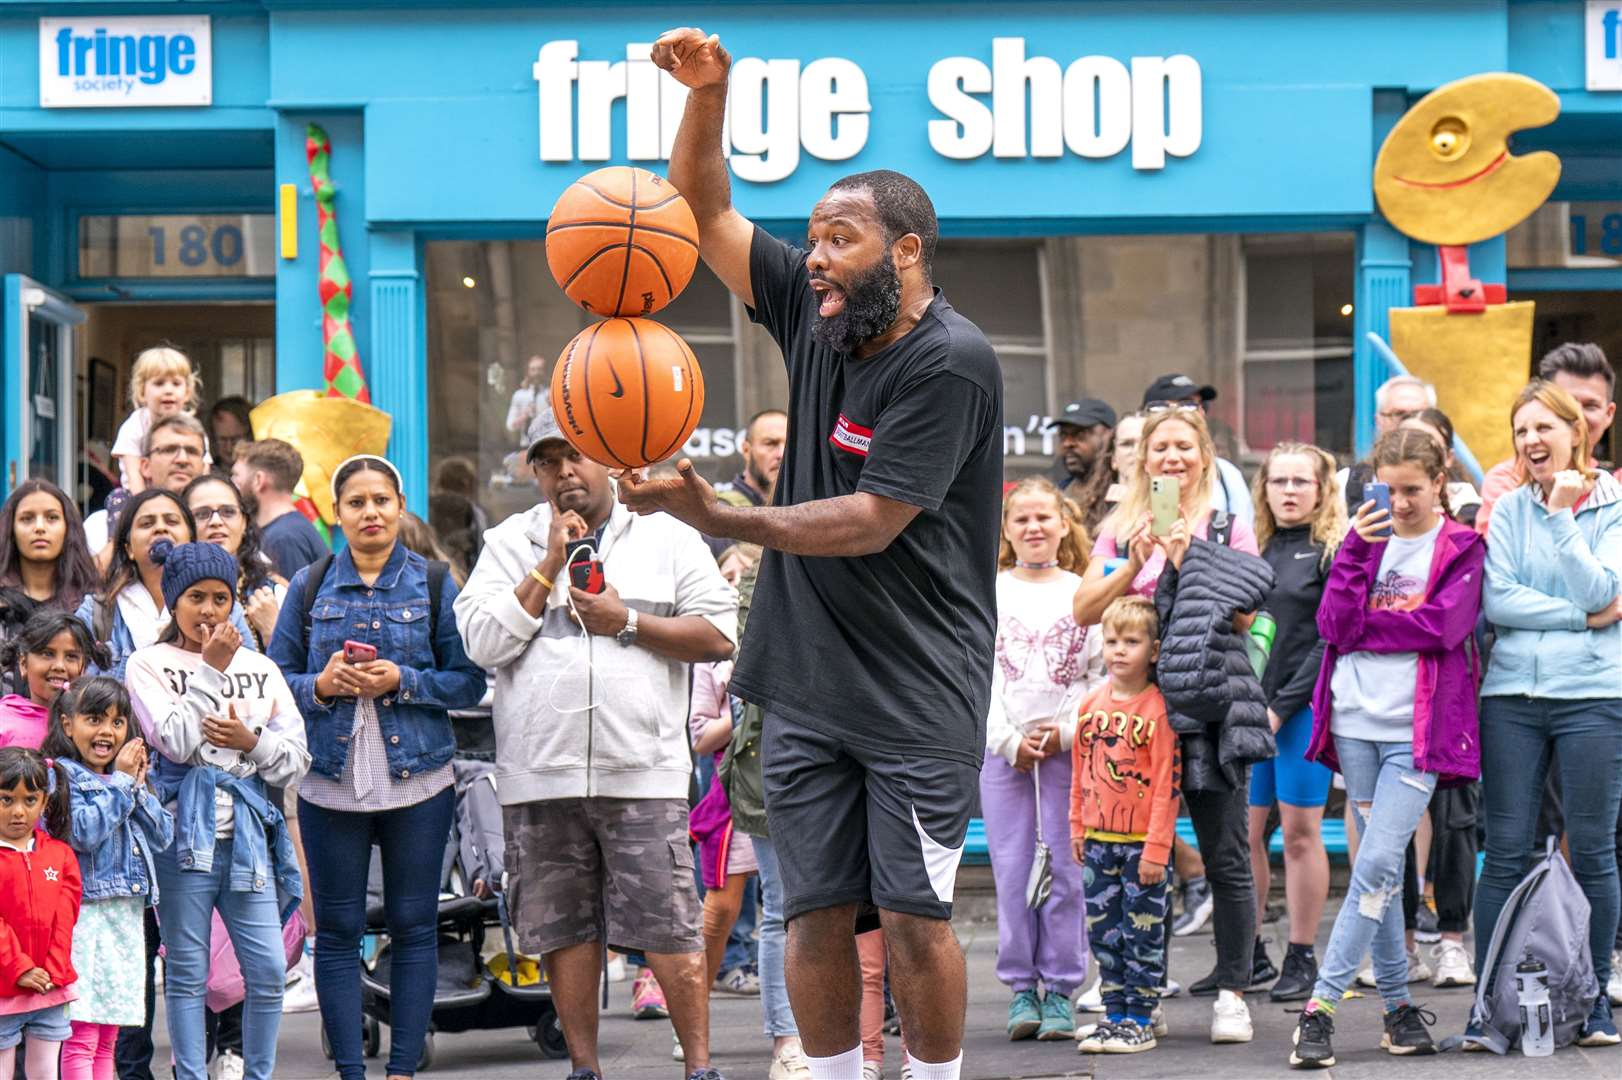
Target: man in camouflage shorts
(592, 760)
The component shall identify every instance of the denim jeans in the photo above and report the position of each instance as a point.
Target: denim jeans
(338, 848)
(186, 901)
(1518, 735)
(773, 988)
(1381, 773)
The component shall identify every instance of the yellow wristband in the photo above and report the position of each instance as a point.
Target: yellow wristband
(542, 578)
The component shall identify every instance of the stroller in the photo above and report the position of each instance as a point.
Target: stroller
(473, 994)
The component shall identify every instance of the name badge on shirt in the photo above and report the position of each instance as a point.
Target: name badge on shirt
(853, 437)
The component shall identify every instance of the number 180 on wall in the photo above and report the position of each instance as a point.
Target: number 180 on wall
(177, 245)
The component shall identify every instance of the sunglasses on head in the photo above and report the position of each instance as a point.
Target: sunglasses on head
(1171, 407)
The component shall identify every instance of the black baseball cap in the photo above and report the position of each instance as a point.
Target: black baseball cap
(1177, 388)
(1084, 413)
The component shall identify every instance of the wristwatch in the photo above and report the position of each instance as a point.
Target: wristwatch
(627, 636)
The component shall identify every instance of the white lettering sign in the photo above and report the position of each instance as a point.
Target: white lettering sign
(778, 109)
(125, 61)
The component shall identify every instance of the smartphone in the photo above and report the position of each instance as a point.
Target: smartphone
(586, 574)
(1380, 494)
(358, 652)
(1165, 494)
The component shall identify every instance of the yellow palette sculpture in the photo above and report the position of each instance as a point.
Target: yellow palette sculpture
(327, 431)
(1445, 176)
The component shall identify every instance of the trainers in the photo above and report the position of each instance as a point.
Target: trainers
(789, 1063)
(1157, 1022)
(1407, 1031)
(1262, 970)
(1613, 988)
(300, 997)
(676, 1052)
(1452, 965)
(1600, 1029)
(1058, 1018)
(228, 1065)
(647, 999)
(1171, 988)
(708, 1072)
(1471, 1043)
(1092, 1042)
(1092, 998)
(872, 1070)
(1230, 1019)
(740, 981)
(1299, 976)
(1129, 1037)
(584, 1074)
(1418, 971)
(1312, 1046)
(1024, 1015)
(1198, 903)
(1204, 987)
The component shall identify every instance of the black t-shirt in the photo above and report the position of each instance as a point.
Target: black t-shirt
(292, 543)
(890, 651)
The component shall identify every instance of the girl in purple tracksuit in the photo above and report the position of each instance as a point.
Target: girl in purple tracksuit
(1044, 666)
(1394, 712)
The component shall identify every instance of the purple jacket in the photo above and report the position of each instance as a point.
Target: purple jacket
(1447, 737)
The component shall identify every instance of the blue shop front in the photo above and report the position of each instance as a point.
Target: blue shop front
(1125, 189)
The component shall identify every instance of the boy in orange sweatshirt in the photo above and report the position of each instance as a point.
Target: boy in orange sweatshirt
(1123, 810)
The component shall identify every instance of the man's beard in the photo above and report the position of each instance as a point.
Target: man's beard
(872, 302)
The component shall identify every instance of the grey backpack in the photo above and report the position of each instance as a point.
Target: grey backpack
(1548, 915)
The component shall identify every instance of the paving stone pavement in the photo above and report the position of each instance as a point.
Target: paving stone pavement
(634, 1050)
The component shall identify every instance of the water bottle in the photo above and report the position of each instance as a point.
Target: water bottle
(1532, 995)
(1259, 643)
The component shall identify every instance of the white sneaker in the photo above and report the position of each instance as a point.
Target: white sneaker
(1613, 988)
(1157, 1020)
(1452, 964)
(1418, 971)
(1171, 988)
(1091, 1000)
(227, 1066)
(872, 1070)
(676, 1052)
(299, 996)
(789, 1064)
(1230, 1019)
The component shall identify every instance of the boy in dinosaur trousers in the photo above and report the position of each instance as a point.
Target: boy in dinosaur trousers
(1123, 811)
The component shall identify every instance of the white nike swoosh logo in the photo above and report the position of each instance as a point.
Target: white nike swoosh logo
(1306, 554)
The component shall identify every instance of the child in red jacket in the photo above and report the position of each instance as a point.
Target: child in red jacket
(39, 906)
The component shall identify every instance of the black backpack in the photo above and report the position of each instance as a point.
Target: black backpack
(318, 573)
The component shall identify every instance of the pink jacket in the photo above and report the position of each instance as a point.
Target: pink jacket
(1447, 736)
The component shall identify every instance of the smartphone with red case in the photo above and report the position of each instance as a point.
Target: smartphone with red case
(358, 652)
(586, 574)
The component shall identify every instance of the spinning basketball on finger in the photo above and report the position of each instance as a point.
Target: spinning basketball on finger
(881, 549)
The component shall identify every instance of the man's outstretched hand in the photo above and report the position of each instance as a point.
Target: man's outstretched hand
(696, 59)
(688, 498)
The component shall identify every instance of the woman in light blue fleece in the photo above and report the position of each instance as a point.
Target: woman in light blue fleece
(1554, 684)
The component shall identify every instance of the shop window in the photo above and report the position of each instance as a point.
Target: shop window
(1568, 236)
(1000, 286)
(1297, 340)
(492, 306)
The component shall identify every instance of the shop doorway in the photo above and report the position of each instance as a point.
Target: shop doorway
(232, 346)
(1580, 316)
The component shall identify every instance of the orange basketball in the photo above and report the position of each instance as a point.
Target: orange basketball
(627, 392)
(622, 241)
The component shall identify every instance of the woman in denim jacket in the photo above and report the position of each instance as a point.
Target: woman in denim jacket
(380, 741)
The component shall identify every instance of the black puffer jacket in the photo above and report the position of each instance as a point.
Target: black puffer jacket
(1212, 695)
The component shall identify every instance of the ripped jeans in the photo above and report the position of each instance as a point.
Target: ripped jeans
(1381, 773)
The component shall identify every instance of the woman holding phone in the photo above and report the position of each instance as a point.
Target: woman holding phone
(370, 647)
(1175, 449)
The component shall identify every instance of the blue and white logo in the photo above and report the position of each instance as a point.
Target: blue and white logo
(125, 61)
(1603, 44)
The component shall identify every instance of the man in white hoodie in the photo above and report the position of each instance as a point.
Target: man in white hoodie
(592, 762)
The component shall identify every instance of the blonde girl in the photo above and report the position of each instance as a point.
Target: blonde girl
(162, 383)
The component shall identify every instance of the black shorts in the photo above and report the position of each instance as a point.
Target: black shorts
(855, 826)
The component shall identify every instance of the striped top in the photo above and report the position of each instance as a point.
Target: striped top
(367, 786)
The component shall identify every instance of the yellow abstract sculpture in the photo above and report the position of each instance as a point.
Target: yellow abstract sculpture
(1445, 176)
(326, 430)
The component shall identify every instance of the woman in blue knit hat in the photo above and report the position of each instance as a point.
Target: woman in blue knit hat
(225, 724)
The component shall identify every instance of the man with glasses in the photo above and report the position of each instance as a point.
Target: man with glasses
(1399, 398)
(174, 453)
(267, 472)
(1229, 493)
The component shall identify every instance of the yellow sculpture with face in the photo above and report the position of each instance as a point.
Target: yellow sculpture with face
(327, 431)
(1445, 174)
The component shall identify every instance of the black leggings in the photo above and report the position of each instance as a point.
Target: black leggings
(1222, 825)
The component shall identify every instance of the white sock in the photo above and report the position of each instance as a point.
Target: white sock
(846, 1066)
(940, 1070)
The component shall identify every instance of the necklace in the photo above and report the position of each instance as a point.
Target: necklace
(1049, 565)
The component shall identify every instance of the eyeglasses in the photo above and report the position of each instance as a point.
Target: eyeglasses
(204, 514)
(1172, 407)
(176, 450)
(1291, 483)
